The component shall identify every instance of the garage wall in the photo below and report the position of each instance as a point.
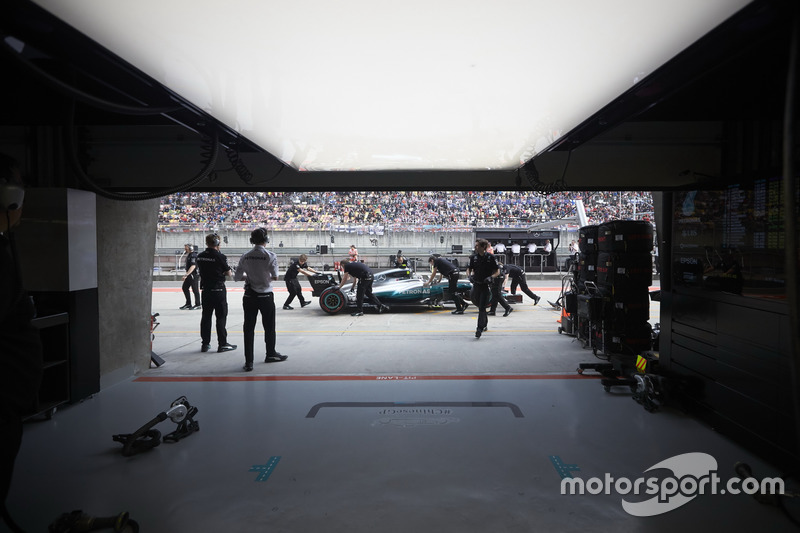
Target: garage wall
(125, 239)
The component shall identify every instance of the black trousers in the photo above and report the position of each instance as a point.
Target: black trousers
(523, 286)
(11, 430)
(215, 302)
(20, 379)
(293, 286)
(497, 296)
(365, 290)
(452, 287)
(252, 305)
(192, 282)
(480, 295)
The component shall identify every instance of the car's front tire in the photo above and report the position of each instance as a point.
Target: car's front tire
(332, 300)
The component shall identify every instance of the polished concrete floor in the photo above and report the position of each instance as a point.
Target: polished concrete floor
(394, 422)
(406, 341)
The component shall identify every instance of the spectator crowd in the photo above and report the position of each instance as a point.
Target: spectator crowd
(394, 211)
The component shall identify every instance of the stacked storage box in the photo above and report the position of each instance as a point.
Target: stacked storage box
(589, 318)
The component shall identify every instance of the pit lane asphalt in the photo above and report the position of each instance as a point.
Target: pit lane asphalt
(401, 344)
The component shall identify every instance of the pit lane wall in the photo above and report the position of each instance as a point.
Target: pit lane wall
(377, 250)
(337, 242)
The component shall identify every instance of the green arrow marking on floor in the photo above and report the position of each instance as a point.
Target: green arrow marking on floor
(564, 470)
(266, 469)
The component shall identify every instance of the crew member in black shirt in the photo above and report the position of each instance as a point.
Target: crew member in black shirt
(484, 269)
(497, 294)
(360, 272)
(214, 269)
(20, 347)
(450, 271)
(293, 284)
(517, 277)
(192, 279)
(400, 261)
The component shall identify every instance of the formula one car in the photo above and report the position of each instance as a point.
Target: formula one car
(394, 287)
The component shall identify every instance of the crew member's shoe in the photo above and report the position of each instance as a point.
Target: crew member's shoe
(464, 308)
(485, 328)
(186, 306)
(198, 306)
(478, 333)
(226, 347)
(536, 300)
(508, 311)
(383, 308)
(457, 311)
(205, 348)
(288, 307)
(303, 304)
(276, 358)
(247, 368)
(357, 313)
(492, 313)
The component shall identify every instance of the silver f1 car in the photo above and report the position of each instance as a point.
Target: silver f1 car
(393, 287)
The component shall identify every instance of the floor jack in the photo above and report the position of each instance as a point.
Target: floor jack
(146, 438)
(567, 302)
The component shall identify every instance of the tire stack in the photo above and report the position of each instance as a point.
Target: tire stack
(624, 275)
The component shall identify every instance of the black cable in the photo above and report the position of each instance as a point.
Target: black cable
(74, 92)
(209, 153)
(238, 165)
(70, 90)
(267, 180)
(209, 147)
(532, 177)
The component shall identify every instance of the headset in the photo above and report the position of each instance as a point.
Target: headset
(11, 196)
(213, 240)
(259, 236)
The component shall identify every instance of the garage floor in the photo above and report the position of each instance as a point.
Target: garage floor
(392, 423)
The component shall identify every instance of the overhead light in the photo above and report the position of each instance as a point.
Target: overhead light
(360, 85)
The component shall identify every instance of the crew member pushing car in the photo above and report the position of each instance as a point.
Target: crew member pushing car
(497, 294)
(517, 277)
(484, 269)
(360, 272)
(293, 284)
(450, 271)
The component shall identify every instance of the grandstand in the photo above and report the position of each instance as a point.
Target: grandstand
(392, 211)
(324, 224)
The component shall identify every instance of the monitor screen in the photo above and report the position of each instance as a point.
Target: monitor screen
(732, 239)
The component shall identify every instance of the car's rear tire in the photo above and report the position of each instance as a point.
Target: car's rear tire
(332, 300)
